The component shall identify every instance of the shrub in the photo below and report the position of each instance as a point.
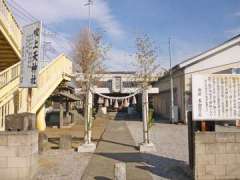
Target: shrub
(150, 118)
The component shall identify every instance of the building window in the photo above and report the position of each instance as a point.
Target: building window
(129, 84)
(118, 83)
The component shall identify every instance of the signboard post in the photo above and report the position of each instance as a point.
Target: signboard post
(31, 45)
(216, 97)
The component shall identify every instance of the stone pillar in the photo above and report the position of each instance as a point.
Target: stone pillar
(65, 141)
(67, 106)
(68, 118)
(120, 171)
(42, 142)
(41, 123)
(61, 115)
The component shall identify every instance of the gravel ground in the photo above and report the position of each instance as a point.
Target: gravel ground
(170, 160)
(62, 165)
(57, 164)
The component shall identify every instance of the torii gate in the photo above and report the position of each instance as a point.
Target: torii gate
(145, 146)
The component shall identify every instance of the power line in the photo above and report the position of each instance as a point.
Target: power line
(53, 42)
(19, 16)
(24, 10)
(171, 81)
(27, 16)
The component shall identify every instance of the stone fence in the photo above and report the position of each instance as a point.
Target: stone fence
(217, 155)
(18, 154)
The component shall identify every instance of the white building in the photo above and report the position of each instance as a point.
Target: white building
(221, 59)
(118, 82)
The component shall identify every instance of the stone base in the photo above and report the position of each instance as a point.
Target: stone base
(147, 148)
(21, 122)
(87, 148)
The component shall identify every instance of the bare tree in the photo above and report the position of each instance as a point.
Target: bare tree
(146, 70)
(146, 60)
(89, 55)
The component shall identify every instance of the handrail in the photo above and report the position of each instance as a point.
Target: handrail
(13, 72)
(9, 74)
(49, 78)
(55, 60)
(10, 24)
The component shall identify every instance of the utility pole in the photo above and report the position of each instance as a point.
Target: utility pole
(89, 4)
(171, 81)
(88, 93)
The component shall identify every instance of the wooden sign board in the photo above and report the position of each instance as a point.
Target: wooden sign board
(216, 97)
(31, 46)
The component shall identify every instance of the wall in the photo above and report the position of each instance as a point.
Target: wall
(161, 103)
(217, 61)
(217, 155)
(162, 100)
(18, 154)
(225, 59)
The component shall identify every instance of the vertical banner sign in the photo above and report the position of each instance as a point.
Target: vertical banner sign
(31, 45)
(216, 97)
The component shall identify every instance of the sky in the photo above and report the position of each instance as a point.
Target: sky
(192, 26)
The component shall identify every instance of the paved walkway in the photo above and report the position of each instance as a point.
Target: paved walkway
(116, 145)
(170, 162)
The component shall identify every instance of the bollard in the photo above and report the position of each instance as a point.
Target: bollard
(65, 142)
(120, 171)
(42, 142)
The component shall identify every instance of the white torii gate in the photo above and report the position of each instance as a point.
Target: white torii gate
(145, 146)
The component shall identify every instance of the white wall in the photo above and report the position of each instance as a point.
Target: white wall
(217, 62)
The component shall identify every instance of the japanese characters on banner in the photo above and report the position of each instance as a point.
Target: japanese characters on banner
(216, 97)
(31, 45)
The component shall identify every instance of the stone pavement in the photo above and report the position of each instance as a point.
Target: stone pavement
(171, 141)
(116, 145)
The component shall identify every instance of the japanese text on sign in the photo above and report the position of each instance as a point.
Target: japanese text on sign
(216, 97)
(31, 44)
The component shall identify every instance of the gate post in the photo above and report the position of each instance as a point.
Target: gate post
(145, 116)
(88, 146)
(190, 139)
(146, 146)
(89, 117)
